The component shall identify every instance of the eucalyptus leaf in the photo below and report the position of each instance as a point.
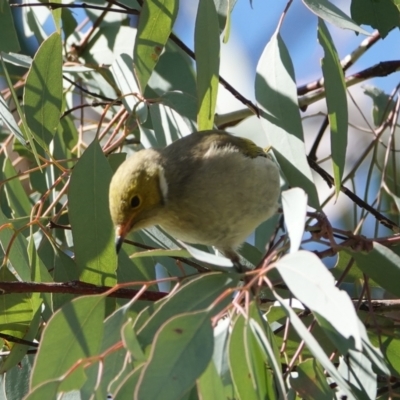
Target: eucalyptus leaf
(180, 340)
(75, 331)
(336, 100)
(277, 99)
(207, 48)
(155, 25)
(312, 284)
(43, 91)
(294, 203)
(89, 213)
(331, 13)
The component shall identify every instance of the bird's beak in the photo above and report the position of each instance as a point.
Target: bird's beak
(120, 233)
(118, 243)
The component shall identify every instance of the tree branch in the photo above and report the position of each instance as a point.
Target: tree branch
(77, 288)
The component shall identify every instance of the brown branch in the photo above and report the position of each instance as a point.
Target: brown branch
(381, 69)
(14, 339)
(77, 288)
(360, 202)
(97, 95)
(55, 6)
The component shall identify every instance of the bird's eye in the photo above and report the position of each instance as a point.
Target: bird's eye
(135, 201)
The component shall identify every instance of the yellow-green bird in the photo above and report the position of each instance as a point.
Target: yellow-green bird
(207, 188)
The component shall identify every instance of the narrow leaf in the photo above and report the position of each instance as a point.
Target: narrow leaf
(17, 256)
(382, 15)
(16, 310)
(239, 363)
(382, 265)
(90, 219)
(155, 25)
(122, 70)
(184, 347)
(207, 47)
(18, 199)
(294, 203)
(357, 369)
(276, 95)
(24, 127)
(209, 384)
(43, 91)
(314, 346)
(218, 261)
(8, 38)
(310, 281)
(310, 381)
(336, 100)
(74, 332)
(9, 121)
(331, 13)
(198, 294)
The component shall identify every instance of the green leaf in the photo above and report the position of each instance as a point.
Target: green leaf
(224, 9)
(131, 342)
(122, 70)
(357, 369)
(74, 332)
(65, 270)
(244, 362)
(160, 253)
(207, 47)
(16, 309)
(155, 25)
(174, 71)
(43, 91)
(197, 294)
(184, 346)
(9, 121)
(69, 23)
(383, 104)
(21, 60)
(218, 261)
(390, 346)
(90, 219)
(310, 382)
(183, 103)
(382, 15)
(48, 390)
(128, 385)
(311, 283)
(330, 13)
(116, 361)
(336, 100)
(294, 203)
(27, 134)
(56, 14)
(8, 34)
(314, 346)
(16, 384)
(354, 280)
(17, 256)
(269, 355)
(209, 384)
(276, 95)
(382, 265)
(168, 121)
(17, 197)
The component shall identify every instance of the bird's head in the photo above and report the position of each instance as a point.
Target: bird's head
(137, 193)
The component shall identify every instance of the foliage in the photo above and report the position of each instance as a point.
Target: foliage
(165, 320)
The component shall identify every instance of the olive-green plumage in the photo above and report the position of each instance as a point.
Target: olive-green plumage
(209, 188)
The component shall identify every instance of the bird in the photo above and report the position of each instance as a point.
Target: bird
(209, 187)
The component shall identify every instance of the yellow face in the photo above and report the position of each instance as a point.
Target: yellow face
(135, 195)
